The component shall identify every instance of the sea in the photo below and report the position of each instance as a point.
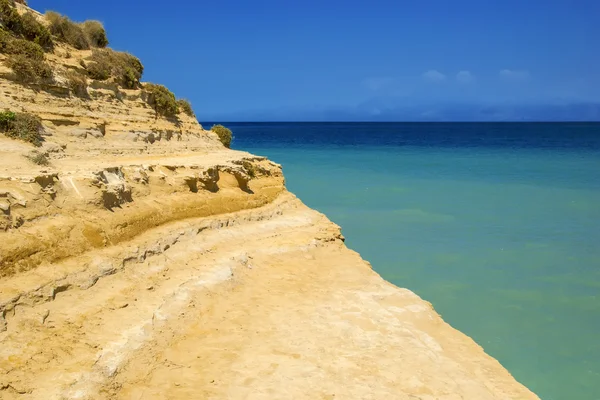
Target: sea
(496, 224)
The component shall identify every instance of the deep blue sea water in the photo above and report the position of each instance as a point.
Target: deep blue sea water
(498, 225)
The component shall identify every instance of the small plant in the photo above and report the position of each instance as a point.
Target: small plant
(10, 45)
(26, 25)
(224, 134)
(29, 70)
(250, 169)
(6, 118)
(33, 30)
(38, 158)
(99, 71)
(186, 107)
(67, 31)
(77, 82)
(21, 126)
(162, 99)
(125, 68)
(10, 17)
(95, 33)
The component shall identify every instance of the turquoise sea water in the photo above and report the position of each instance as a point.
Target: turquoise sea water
(497, 225)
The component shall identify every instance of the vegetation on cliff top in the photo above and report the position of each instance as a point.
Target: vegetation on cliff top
(82, 36)
(24, 26)
(25, 40)
(21, 126)
(185, 106)
(224, 134)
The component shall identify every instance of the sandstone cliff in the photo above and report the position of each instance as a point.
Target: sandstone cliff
(147, 261)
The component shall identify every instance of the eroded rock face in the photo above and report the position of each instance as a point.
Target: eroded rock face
(146, 261)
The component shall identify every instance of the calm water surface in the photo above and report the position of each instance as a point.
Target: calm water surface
(498, 225)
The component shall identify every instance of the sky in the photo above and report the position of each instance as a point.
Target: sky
(363, 60)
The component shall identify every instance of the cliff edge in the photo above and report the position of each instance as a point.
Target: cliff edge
(140, 258)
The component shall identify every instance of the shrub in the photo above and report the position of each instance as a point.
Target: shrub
(186, 107)
(10, 45)
(26, 25)
(99, 71)
(5, 39)
(29, 69)
(6, 117)
(124, 67)
(67, 31)
(250, 169)
(10, 17)
(224, 134)
(95, 33)
(38, 158)
(77, 82)
(21, 126)
(33, 30)
(24, 2)
(162, 99)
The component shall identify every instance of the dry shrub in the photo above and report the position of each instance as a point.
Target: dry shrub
(185, 106)
(38, 158)
(21, 126)
(77, 82)
(67, 31)
(162, 99)
(26, 25)
(124, 67)
(29, 70)
(95, 33)
(225, 134)
(12, 45)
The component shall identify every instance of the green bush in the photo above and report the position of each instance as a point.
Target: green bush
(67, 31)
(99, 71)
(186, 107)
(5, 39)
(6, 117)
(77, 82)
(162, 99)
(33, 30)
(11, 45)
(21, 126)
(95, 33)
(29, 70)
(125, 68)
(9, 16)
(26, 25)
(224, 134)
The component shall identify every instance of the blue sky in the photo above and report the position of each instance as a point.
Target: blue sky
(319, 60)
